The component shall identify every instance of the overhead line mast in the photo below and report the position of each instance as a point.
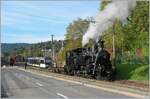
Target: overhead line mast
(52, 52)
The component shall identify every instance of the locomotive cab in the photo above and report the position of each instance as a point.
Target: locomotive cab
(76, 61)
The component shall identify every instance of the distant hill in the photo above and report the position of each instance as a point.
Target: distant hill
(19, 48)
(11, 47)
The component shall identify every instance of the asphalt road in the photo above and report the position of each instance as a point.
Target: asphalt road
(20, 84)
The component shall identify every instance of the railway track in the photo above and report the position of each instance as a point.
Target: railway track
(59, 70)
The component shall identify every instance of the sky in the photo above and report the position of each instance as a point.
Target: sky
(36, 21)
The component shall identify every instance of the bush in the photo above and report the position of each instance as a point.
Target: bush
(133, 72)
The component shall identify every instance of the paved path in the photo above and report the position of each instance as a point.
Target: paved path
(20, 84)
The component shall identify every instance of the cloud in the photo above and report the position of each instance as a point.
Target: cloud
(28, 38)
(34, 19)
(51, 11)
(15, 18)
(17, 36)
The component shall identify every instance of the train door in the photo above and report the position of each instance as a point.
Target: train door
(42, 63)
(48, 62)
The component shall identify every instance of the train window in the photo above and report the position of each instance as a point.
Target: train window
(36, 61)
(68, 54)
(42, 61)
(47, 61)
(33, 61)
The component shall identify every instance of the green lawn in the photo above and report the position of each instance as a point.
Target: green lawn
(136, 72)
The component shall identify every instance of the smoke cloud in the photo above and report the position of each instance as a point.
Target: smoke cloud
(118, 9)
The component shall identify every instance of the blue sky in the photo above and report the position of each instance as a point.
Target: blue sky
(35, 21)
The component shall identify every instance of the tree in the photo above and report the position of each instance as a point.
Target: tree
(75, 31)
(134, 34)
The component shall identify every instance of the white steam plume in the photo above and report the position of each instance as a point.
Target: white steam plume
(118, 9)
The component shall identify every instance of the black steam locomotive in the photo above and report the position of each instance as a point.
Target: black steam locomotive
(87, 61)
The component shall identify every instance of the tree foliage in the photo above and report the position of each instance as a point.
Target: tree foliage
(75, 31)
(133, 34)
(130, 35)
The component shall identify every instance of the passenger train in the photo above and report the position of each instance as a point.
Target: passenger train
(43, 62)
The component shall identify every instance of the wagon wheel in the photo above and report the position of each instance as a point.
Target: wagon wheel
(65, 69)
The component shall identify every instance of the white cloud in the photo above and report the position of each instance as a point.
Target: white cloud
(28, 38)
(36, 17)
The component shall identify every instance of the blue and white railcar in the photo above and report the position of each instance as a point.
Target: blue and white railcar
(42, 62)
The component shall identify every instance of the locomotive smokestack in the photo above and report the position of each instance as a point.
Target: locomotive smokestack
(102, 44)
(117, 10)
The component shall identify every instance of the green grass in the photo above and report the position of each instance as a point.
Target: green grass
(137, 72)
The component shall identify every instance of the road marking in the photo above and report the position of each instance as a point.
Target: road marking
(65, 97)
(39, 84)
(135, 95)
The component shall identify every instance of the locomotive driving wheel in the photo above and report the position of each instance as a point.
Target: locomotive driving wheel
(100, 73)
(68, 70)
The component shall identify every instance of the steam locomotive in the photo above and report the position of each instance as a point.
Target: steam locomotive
(87, 61)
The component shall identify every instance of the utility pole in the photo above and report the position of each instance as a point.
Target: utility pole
(113, 43)
(52, 52)
(62, 45)
(29, 53)
(24, 53)
(45, 49)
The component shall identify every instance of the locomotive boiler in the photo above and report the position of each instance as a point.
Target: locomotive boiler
(87, 61)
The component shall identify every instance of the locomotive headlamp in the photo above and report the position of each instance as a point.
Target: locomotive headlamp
(102, 43)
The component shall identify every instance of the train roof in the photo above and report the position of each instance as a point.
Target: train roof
(78, 50)
(40, 58)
